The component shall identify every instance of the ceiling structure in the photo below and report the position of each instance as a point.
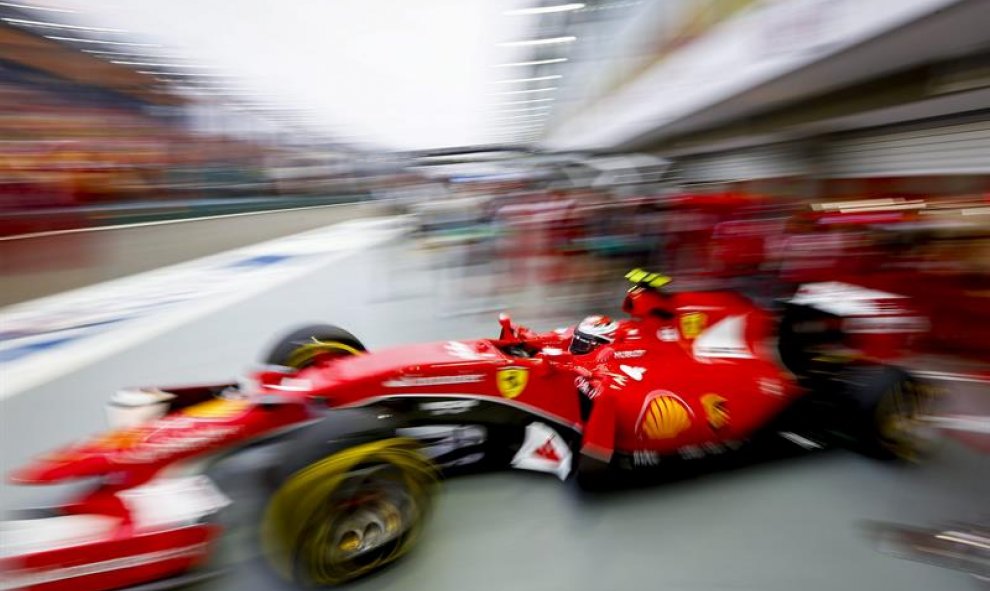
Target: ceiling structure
(387, 74)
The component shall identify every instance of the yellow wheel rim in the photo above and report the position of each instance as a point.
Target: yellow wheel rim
(900, 418)
(306, 536)
(305, 354)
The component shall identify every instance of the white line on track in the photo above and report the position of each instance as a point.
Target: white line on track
(973, 378)
(100, 320)
(160, 222)
(966, 423)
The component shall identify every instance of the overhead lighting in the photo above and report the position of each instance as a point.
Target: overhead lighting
(536, 79)
(519, 124)
(515, 136)
(881, 204)
(546, 9)
(153, 73)
(906, 205)
(555, 60)
(521, 115)
(524, 134)
(154, 65)
(215, 93)
(531, 116)
(531, 90)
(131, 54)
(524, 109)
(522, 126)
(40, 8)
(528, 101)
(544, 41)
(27, 23)
(78, 40)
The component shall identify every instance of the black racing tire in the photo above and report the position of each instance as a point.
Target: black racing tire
(595, 475)
(350, 513)
(887, 405)
(286, 351)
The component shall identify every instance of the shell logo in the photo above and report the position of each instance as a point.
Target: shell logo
(664, 416)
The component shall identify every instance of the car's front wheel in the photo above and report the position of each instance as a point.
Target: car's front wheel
(308, 344)
(350, 513)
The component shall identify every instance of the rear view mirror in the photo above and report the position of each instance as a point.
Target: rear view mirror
(505, 321)
(129, 408)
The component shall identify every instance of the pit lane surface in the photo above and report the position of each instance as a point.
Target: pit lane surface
(779, 525)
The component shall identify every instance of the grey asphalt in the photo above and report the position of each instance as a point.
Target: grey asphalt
(791, 524)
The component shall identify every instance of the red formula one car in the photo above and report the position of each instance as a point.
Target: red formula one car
(348, 444)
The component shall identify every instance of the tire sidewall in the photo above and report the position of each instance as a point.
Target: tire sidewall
(279, 353)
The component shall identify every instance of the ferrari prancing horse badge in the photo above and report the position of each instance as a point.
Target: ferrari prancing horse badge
(511, 381)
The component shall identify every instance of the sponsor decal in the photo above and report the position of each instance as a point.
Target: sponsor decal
(543, 450)
(664, 416)
(440, 440)
(591, 389)
(697, 452)
(511, 381)
(617, 381)
(692, 324)
(465, 351)
(410, 382)
(633, 354)
(716, 411)
(173, 442)
(645, 459)
(448, 407)
(167, 501)
(667, 334)
(547, 451)
(218, 408)
(635, 373)
(770, 387)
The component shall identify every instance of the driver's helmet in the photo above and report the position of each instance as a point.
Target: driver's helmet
(593, 332)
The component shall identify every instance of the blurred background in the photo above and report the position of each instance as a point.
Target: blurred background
(532, 151)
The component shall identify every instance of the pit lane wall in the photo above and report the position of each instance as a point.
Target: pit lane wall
(45, 263)
(45, 338)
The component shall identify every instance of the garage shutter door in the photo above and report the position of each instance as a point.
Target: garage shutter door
(763, 162)
(962, 147)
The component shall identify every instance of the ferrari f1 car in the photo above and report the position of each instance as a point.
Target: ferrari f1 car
(355, 440)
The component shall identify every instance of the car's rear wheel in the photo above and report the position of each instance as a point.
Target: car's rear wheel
(350, 513)
(891, 408)
(308, 344)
